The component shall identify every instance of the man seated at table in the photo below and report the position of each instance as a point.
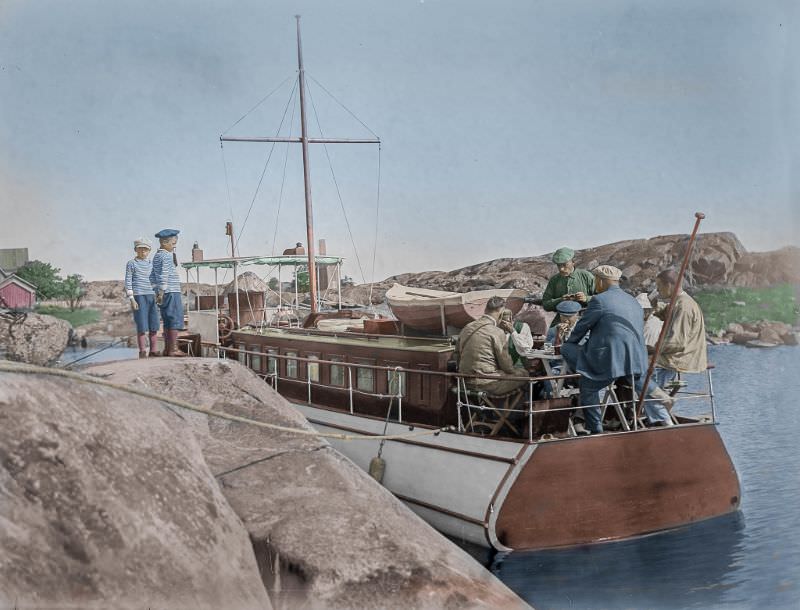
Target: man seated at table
(614, 349)
(568, 313)
(483, 350)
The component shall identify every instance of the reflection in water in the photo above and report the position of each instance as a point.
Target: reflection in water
(647, 572)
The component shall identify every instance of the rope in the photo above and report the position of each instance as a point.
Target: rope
(338, 192)
(375, 241)
(227, 187)
(28, 369)
(266, 164)
(283, 183)
(264, 99)
(350, 112)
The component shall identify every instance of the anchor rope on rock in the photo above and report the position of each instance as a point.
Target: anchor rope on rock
(29, 369)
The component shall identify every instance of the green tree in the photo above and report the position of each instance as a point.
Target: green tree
(301, 279)
(44, 276)
(73, 291)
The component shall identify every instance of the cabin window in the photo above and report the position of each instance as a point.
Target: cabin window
(291, 366)
(396, 382)
(272, 362)
(313, 368)
(365, 378)
(255, 359)
(337, 371)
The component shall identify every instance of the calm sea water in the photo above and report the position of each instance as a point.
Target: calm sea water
(79, 356)
(747, 560)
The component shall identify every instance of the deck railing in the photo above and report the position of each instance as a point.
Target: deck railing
(462, 391)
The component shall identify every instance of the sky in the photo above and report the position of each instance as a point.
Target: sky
(508, 128)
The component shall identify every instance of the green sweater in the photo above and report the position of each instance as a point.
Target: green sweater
(579, 280)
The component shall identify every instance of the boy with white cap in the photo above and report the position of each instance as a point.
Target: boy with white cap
(167, 284)
(142, 297)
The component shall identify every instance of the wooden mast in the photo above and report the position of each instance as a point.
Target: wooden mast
(305, 141)
(312, 267)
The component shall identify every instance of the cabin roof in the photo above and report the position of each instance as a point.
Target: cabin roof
(242, 261)
(416, 344)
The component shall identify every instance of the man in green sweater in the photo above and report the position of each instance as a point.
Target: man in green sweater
(569, 284)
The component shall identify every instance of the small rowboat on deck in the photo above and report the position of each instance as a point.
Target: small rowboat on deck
(435, 310)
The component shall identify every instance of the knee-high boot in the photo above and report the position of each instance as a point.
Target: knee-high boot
(172, 344)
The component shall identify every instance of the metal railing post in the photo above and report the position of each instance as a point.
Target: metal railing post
(530, 411)
(350, 387)
(399, 394)
(711, 397)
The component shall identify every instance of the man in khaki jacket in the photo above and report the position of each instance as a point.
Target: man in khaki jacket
(483, 350)
(684, 348)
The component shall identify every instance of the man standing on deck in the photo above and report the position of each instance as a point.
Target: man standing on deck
(684, 348)
(483, 350)
(167, 284)
(569, 284)
(615, 348)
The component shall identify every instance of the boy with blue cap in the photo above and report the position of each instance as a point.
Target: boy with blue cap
(167, 285)
(142, 297)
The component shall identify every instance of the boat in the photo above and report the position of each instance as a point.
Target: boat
(435, 310)
(451, 454)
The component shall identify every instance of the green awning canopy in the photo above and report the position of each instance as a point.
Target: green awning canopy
(244, 261)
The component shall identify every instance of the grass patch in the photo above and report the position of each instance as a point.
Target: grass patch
(723, 306)
(79, 317)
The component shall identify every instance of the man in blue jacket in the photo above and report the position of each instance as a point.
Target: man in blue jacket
(615, 347)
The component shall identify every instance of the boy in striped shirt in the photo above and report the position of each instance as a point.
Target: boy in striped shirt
(167, 284)
(142, 297)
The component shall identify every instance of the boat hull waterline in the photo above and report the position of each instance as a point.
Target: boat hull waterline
(527, 496)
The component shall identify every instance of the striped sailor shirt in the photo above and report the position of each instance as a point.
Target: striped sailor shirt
(165, 272)
(137, 277)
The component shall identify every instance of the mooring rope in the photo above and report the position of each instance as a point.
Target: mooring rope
(29, 369)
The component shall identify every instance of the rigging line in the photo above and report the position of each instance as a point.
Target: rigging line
(266, 164)
(283, 183)
(343, 106)
(228, 189)
(264, 99)
(375, 242)
(338, 192)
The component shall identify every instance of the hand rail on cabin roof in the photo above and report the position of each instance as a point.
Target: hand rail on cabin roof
(391, 368)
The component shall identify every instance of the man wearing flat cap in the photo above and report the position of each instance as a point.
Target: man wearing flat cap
(615, 348)
(167, 284)
(569, 284)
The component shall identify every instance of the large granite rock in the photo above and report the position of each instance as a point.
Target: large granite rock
(106, 501)
(326, 534)
(33, 338)
(717, 259)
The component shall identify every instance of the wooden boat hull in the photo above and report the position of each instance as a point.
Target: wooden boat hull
(432, 311)
(517, 495)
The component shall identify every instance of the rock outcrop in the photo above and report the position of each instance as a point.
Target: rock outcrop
(108, 502)
(718, 259)
(33, 338)
(326, 535)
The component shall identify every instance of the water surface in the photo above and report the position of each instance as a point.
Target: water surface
(747, 560)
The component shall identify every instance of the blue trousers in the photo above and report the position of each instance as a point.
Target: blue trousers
(590, 393)
(146, 317)
(172, 311)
